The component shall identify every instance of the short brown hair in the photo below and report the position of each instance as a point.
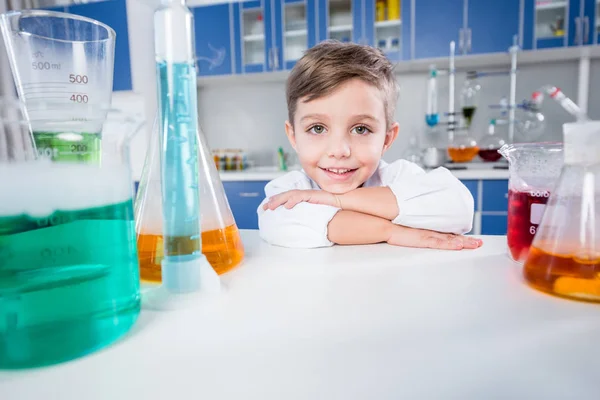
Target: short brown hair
(330, 63)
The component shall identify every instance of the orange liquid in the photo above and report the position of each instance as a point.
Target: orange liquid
(222, 247)
(462, 154)
(564, 275)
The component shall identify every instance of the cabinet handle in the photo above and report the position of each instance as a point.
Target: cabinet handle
(469, 37)
(249, 194)
(586, 29)
(577, 40)
(270, 61)
(461, 40)
(276, 58)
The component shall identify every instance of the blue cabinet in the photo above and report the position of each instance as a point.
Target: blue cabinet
(213, 39)
(244, 198)
(495, 195)
(493, 224)
(436, 24)
(560, 23)
(389, 30)
(114, 14)
(296, 31)
(473, 186)
(491, 26)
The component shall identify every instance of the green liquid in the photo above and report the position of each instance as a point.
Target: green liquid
(468, 113)
(71, 147)
(69, 283)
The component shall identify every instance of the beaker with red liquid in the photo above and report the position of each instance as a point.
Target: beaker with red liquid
(533, 171)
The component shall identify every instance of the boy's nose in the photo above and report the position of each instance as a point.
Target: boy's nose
(339, 147)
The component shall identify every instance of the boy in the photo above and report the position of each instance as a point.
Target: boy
(341, 99)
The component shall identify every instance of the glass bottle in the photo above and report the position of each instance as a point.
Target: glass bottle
(469, 96)
(493, 140)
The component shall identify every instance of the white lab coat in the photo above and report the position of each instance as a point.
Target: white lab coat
(434, 200)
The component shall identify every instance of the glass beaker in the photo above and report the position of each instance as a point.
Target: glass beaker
(69, 277)
(62, 65)
(220, 237)
(565, 254)
(533, 170)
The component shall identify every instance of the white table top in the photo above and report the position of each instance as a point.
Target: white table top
(364, 322)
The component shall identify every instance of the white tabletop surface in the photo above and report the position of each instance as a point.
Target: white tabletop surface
(364, 322)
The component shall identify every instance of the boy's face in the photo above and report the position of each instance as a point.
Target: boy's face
(340, 138)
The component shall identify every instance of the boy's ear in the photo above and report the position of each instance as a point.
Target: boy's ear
(390, 136)
(289, 131)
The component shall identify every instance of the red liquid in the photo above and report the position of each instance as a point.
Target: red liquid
(489, 154)
(524, 214)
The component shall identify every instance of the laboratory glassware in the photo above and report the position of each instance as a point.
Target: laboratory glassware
(493, 140)
(62, 66)
(69, 277)
(469, 97)
(533, 171)
(564, 258)
(184, 223)
(432, 117)
(463, 146)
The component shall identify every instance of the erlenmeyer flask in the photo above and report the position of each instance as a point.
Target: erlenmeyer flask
(564, 258)
(221, 242)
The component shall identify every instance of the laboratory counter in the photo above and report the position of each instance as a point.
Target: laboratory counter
(269, 173)
(347, 322)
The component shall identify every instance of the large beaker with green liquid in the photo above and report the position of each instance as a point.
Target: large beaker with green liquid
(69, 275)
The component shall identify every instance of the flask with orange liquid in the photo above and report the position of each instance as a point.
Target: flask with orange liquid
(220, 237)
(564, 258)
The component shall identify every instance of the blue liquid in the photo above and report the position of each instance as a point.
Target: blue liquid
(69, 283)
(432, 119)
(181, 208)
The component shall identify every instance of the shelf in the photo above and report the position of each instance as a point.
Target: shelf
(551, 6)
(297, 33)
(340, 28)
(254, 38)
(387, 24)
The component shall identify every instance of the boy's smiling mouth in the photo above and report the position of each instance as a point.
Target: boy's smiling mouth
(339, 173)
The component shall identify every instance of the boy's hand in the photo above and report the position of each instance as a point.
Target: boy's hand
(412, 237)
(290, 198)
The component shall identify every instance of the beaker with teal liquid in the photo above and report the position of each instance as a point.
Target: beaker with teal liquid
(69, 275)
(62, 65)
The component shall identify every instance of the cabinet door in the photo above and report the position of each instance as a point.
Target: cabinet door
(298, 29)
(244, 197)
(491, 26)
(212, 25)
(436, 24)
(387, 27)
(493, 224)
(341, 20)
(251, 28)
(114, 14)
(550, 24)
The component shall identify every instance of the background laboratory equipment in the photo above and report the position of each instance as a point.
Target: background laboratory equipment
(221, 242)
(565, 254)
(533, 170)
(469, 97)
(462, 147)
(62, 65)
(432, 117)
(493, 140)
(69, 279)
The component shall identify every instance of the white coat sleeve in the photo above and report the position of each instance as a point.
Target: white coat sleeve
(434, 200)
(303, 226)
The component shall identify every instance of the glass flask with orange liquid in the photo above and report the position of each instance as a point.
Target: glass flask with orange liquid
(220, 237)
(462, 148)
(564, 258)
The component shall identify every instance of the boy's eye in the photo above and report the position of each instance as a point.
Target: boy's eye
(361, 130)
(317, 129)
